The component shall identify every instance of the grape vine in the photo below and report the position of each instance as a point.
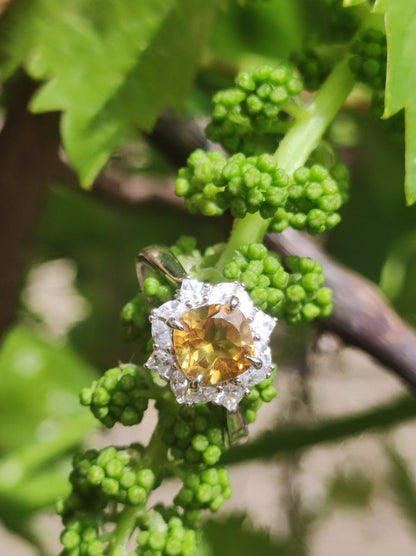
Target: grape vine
(268, 183)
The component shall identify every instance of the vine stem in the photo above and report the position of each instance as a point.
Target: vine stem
(295, 148)
(154, 457)
(124, 529)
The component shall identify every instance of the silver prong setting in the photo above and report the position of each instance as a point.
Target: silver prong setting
(255, 361)
(175, 324)
(233, 303)
(196, 383)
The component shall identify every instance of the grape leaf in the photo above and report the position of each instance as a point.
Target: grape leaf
(110, 67)
(400, 16)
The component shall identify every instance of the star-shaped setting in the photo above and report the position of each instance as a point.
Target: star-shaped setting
(211, 343)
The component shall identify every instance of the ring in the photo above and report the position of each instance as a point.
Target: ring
(159, 258)
(210, 343)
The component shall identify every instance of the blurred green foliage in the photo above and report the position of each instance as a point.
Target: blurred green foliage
(39, 388)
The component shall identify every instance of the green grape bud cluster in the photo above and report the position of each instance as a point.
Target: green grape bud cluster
(343, 21)
(313, 63)
(166, 537)
(261, 100)
(81, 538)
(118, 396)
(369, 58)
(292, 290)
(264, 392)
(311, 201)
(113, 474)
(318, 55)
(307, 200)
(135, 317)
(207, 489)
(193, 434)
(369, 65)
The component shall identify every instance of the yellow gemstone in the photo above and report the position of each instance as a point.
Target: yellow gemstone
(213, 344)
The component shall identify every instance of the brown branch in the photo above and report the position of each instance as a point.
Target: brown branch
(28, 156)
(137, 191)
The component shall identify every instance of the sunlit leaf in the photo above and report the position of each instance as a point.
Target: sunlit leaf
(111, 67)
(400, 18)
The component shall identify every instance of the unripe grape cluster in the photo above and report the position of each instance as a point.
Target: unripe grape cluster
(135, 319)
(207, 489)
(369, 65)
(111, 475)
(193, 434)
(369, 58)
(291, 289)
(313, 63)
(165, 537)
(261, 103)
(118, 396)
(259, 394)
(318, 55)
(81, 538)
(309, 199)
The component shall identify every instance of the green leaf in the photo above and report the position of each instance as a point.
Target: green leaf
(403, 484)
(400, 16)
(39, 390)
(111, 67)
(235, 536)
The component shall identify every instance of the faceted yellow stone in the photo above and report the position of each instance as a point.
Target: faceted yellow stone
(213, 344)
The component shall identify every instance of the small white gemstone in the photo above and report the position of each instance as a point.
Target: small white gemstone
(229, 396)
(253, 376)
(262, 324)
(222, 293)
(245, 305)
(162, 363)
(179, 384)
(191, 292)
(265, 354)
(202, 395)
(173, 308)
(161, 333)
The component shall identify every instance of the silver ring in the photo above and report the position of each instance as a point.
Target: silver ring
(161, 259)
(210, 343)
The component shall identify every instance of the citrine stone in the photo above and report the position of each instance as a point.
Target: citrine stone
(214, 343)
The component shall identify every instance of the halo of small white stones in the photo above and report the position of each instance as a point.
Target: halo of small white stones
(191, 295)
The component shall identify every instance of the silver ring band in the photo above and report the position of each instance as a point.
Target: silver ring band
(161, 259)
